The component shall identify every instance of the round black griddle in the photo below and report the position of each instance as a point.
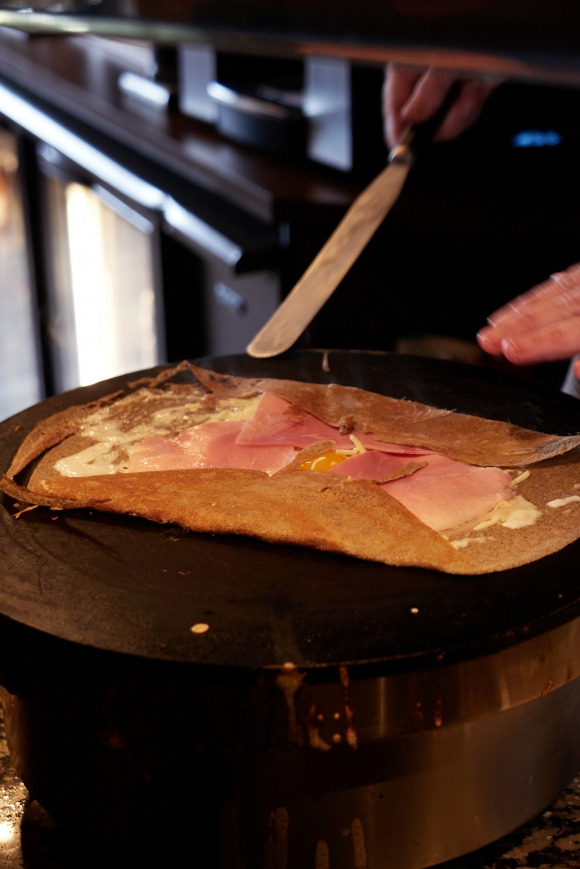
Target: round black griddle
(129, 586)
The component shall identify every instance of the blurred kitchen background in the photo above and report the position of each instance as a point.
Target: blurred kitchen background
(157, 203)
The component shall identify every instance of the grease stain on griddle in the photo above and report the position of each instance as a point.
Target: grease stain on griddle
(199, 628)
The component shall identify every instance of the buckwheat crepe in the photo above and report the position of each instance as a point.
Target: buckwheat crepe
(319, 509)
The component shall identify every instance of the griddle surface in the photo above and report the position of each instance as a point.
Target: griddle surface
(133, 587)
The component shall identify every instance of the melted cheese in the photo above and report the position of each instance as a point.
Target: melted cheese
(515, 513)
(463, 542)
(563, 502)
(112, 443)
(99, 458)
(518, 512)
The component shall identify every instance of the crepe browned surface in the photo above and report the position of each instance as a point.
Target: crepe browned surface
(328, 512)
(317, 509)
(470, 439)
(130, 410)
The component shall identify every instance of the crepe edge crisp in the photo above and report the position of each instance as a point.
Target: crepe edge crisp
(319, 510)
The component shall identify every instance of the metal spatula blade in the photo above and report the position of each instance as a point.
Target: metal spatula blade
(345, 244)
(331, 264)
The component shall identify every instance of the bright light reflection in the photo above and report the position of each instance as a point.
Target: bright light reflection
(7, 832)
(93, 300)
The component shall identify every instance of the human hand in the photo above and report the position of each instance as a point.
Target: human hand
(542, 325)
(412, 96)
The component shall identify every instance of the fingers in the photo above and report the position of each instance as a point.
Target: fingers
(541, 325)
(545, 344)
(398, 88)
(412, 96)
(465, 111)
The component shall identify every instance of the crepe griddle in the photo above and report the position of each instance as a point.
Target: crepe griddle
(125, 585)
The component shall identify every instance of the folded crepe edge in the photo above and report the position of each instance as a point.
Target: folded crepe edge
(350, 517)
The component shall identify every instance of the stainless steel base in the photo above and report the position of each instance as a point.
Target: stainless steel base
(288, 769)
(417, 801)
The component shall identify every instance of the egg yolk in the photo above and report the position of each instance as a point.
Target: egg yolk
(324, 462)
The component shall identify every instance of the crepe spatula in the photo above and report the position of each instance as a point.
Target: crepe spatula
(347, 241)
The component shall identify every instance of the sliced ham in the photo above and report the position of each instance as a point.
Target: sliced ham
(446, 493)
(369, 442)
(443, 494)
(277, 421)
(373, 465)
(209, 445)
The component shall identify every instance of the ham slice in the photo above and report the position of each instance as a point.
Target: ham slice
(446, 493)
(209, 445)
(442, 494)
(277, 421)
(373, 465)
